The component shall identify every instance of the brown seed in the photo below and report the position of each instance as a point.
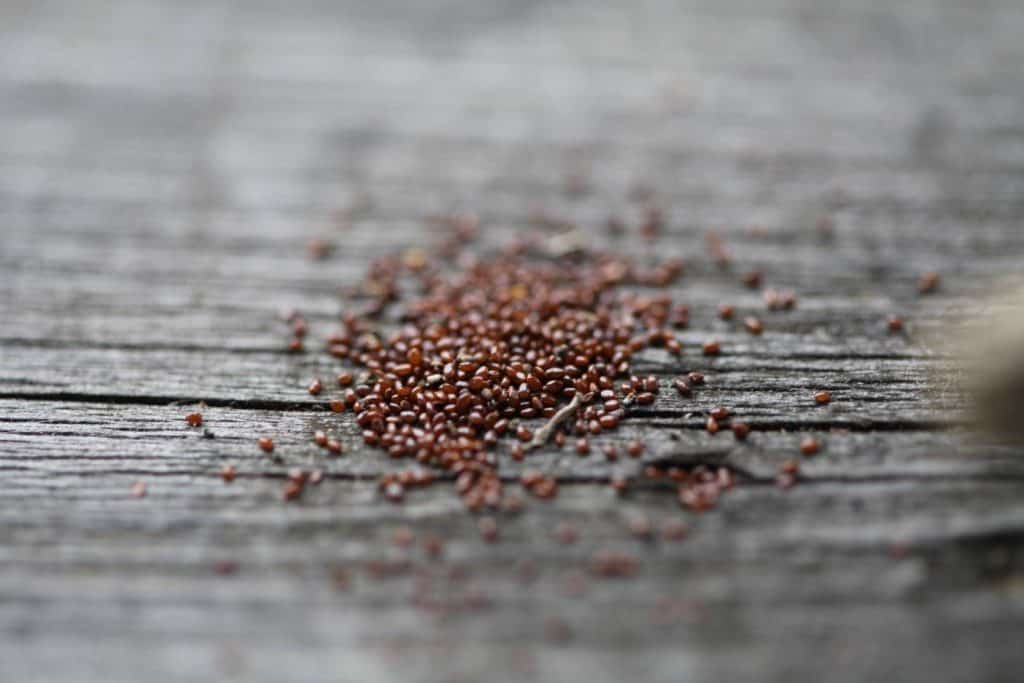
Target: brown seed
(928, 283)
(822, 397)
(635, 449)
(790, 466)
(740, 430)
(720, 413)
(583, 447)
(523, 433)
(696, 378)
(673, 529)
(394, 492)
(712, 348)
(320, 439)
(315, 387)
(752, 279)
(345, 379)
(640, 526)
(266, 444)
(194, 419)
(316, 476)
(565, 533)
(753, 325)
(488, 529)
(712, 426)
(611, 452)
(433, 547)
(337, 405)
(809, 446)
(291, 490)
(403, 537)
(139, 489)
(334, 446)
(227, 473)
(726, 311)
(682, 386)
(894, 323)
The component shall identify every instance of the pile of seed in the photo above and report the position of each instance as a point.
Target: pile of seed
(500, 346)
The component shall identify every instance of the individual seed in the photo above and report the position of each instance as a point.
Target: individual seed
(752, 279)
(337, 405)
(635, 449)
(720, 413)
(334, 446)
(726, 311)
(345, 379)
(682, 386)
(488, 529)
(394, 492)
(753, 325)
(822, 397)
(266, 444)
(523, 433)
(696, 378)
(291, 490)
(582, 447)
(712, 426)
(712, 347)
(315, 387)
(740, 430)
(320, 438)
(809, 446)
(139, 489)
(194, 419)
(928, 283)
(894, 323)
(673, 529)
(565, 533)
(227, 473)
(611, 452)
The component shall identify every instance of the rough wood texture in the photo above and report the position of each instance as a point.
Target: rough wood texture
(163, 165)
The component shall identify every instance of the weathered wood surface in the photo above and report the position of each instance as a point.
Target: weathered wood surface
(162, 166)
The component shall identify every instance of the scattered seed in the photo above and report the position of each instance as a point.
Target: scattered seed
(227, 473)
(740, 430)
(753, 325)
(266, 444)
(809, 446)
(712, 348)
(822, 397)
(315, 387)
(194, 419)
(928, 283)
(139, 489)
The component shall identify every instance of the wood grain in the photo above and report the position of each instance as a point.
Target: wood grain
(163, 166)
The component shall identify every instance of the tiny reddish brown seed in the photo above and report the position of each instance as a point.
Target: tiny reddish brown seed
(752, 279)
(194, 419)
(291, 490)
(316, 476)
(523, 433)
(740, 430)
(894, 323)
(790, 466)
(139, 489)
(320, 438)
(266, 444)
(712, 426)
(753, 325)
(635, 449)
(565, 533)
(315, 386)
(928, 283)
(227, 473)
(682, 386)
(337, 405)
(433, 547)
(673, 529)
(334, 446)
(696, 378)
(583, 447)
(403, 537)
(488, 529)
(809, 446)
(726, 311)
(345, 379)
(611, 452)
(822, 397)
(720, 413)
(712, 348)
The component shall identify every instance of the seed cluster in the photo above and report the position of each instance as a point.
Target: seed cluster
(490, 350)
